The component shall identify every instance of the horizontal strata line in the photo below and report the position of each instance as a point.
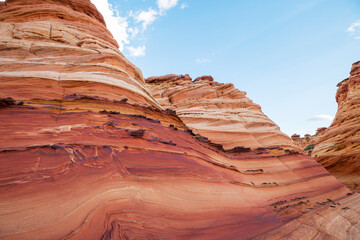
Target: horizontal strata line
(80, 76)
(227, 131)
(218, 163)
(210, 161)
(10, 61)
(5, 61)
(216, 112)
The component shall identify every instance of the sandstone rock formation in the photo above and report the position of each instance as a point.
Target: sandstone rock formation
(51, 49)
(217, 111)
(338, 148)
(86, 152)
(332, 220)
(307, 142)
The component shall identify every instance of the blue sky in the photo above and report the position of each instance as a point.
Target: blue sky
(287, 55)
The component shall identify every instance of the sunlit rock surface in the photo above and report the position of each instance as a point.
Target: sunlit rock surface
(86, 152)
(217, 111)
(51, 49)
(338, 148)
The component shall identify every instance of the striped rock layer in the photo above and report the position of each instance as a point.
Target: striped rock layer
(87, 153)
(338, 148)
(51, 49)
(218, 111)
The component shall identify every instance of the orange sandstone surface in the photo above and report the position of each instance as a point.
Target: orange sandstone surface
(218, 111)
(338, 148)
(86, 152)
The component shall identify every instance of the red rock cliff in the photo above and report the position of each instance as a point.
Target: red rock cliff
(218, 111)
(87, 153)
(338, 149)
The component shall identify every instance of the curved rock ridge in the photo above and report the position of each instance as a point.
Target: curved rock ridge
(105, 170)
(62, 48)
(338, 148)
(169, 78)
(217, 111)
(91, 155)
(54, 10)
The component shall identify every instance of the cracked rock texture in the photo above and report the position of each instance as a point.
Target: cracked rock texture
(86, 152)
(338, 220)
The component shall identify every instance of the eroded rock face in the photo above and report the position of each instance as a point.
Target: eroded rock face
(218, 111)
(89, 154)
(307, 143)
(338, 149)
(62, 48)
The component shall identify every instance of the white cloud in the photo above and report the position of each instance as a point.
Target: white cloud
(133, 32)
(132, 26)
(184, 5)
(165, 5)
(354, 29)
(354, 26)
(116, 24)
(145, 17)
(202, 60)
(321, 117)
(136, 52)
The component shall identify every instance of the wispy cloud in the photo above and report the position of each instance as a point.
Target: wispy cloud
(184, 5)
(136, 51)
(145, 17)
(116, 24)
(202, 60)
(321, 117)
(165, 5)
(354, 29)
(133, 32)
(131, 27)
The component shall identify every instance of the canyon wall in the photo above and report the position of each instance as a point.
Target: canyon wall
(86, 152)
(338, 148)
(217, 111)
(307, 143)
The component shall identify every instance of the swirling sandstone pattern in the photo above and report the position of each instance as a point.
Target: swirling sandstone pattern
(338, 148)
(217, 111)
(87, 153)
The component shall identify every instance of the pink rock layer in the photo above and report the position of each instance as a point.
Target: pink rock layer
(338, 148)
(86, 152)
(217, 111)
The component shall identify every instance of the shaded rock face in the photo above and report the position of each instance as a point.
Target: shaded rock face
(91, 155)
(338, 148)
(218, 111)
(169, 78)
